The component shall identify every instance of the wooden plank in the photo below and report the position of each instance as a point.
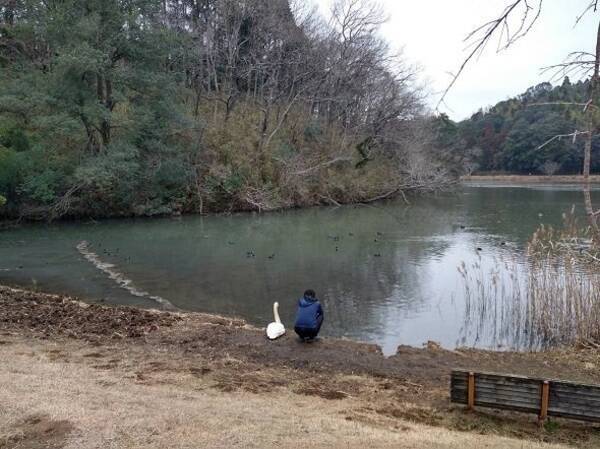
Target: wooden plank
(509, 407)
(510, 390)
(545, 399)
(582, 387)
(471, 391)
(558, 400)
(535, 388)
(575, 406)
(508, 400)
(574, 401)
(508, 395)
(515, 378)
(568, 408)
(509, 378)
(532, 402)
(571, 391)
(503, 389)
(574, 411)
(558, 391)
(580, 417)
(567, 400)
(521, 386)
(458, 382)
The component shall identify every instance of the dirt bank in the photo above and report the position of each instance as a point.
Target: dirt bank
(225, 357)
(531, 179)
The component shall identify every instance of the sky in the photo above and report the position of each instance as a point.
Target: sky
(431, 34)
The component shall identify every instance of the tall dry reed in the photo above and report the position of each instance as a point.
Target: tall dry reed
(548, 297)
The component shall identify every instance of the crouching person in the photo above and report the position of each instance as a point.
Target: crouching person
(309, 317)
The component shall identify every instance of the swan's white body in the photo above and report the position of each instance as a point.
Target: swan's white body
(275, 329)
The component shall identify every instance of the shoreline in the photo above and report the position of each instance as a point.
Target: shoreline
(11, 223)
(531, 179)
(227, 358)
(14, 221)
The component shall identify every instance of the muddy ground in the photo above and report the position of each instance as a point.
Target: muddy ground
(233, 356)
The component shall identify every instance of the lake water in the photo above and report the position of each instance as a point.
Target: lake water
(385, 273)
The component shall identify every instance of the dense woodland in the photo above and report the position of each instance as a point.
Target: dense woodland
(145, 107)
(522, 134)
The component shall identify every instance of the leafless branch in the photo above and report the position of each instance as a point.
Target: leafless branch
(387, 195)
(323, 165)
(573, 135)
(482, 35)
(578, 63)
(63, 204)
(331, 200)
(592, 6)
(585, 106)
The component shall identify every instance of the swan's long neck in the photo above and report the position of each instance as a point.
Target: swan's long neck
(276, 312)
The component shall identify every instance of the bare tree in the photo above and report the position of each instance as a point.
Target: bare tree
(550, 167)
(470, 167)
(287, 67)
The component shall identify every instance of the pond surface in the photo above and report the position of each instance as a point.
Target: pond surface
(385, 273)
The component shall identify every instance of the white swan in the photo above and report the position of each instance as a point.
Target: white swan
(275, 329)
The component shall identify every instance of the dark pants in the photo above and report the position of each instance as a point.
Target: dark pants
(308, 332)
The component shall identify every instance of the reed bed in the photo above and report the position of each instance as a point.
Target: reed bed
(548, 297)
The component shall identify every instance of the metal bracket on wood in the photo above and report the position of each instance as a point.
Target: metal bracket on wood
(544, 402)
(471, 391)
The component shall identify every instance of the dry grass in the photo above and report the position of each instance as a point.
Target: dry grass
(548, 298)
(544, 303)
(110, 406)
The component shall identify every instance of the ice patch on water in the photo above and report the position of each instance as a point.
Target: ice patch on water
(110, 269)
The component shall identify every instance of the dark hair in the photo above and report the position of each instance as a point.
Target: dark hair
(310, 293)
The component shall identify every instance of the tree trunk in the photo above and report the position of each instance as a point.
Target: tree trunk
(104, 94)
(587, 150)
(587, 157)
(9, 12)
(92, 144)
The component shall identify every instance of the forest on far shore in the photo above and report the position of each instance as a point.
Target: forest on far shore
(149, 107)
(521, 135)
(154, 107)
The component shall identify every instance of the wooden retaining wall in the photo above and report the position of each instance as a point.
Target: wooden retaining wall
(542, 396)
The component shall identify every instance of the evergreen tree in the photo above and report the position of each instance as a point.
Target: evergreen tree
(517, 135)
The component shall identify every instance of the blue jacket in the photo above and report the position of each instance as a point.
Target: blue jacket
(310, 313)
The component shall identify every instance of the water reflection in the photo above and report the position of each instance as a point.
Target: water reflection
(386, 273)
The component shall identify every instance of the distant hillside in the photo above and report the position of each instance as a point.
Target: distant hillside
(507, 136)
